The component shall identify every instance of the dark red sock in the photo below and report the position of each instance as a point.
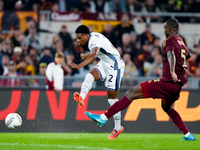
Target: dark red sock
(116, 107)
(176, 118)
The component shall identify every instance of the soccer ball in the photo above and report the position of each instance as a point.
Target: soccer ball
(13, 121)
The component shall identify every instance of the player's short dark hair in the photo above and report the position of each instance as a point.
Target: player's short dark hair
(173, 23)
(83, 29)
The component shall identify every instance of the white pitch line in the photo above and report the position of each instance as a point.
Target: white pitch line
(62, 146)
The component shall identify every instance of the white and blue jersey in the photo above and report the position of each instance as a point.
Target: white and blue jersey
(111, 66)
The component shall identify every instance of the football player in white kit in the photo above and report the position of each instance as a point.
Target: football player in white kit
(110, 69)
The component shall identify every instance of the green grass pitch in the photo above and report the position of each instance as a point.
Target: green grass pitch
(95, 141)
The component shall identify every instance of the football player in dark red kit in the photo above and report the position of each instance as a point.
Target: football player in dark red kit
(175, 54)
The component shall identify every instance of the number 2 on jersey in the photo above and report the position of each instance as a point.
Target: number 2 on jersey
(111, 76)
(183, 56)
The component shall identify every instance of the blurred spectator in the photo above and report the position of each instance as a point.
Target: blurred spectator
(47, 58)
(19, 5)
(56, 38)
(133, 6)
(35, 7)
(42, 69)
(142, 56)
(5, 63)
(34, 58)
(8, 40)
(156, 43)
(30, 24)
(54, 73)
(17, 56)
(117, 6)
(130, 68)
(55, 7)
(25, 48)
(24, 67)
(34, 40)
(15, 36)
(1, 5)
(127, 46)
(91, 28)
(69, 60)
(64, 5)
(147, 35)
(154, 69)
(99, 6)
(45, 5)
(126, 43)
(192, 65)
(21, 67)
(30, 70)
(151, 7)
(65, 36)
(154, 52)
(13, 81)
(20, 38)
(59, 47)
(109, 33)
(76, 50)
(6, 49)
(82, 5)
(133, 39)
(124, 27)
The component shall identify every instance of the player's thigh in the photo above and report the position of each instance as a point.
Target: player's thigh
(143, 90)
(98, 72)
(113, 78)
(134, 93)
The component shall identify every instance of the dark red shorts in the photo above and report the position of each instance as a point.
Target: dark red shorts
(50, 85)
(168, 91)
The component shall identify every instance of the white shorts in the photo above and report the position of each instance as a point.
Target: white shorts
(111, 76)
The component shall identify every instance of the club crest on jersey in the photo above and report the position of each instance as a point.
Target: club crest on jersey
(92, 45)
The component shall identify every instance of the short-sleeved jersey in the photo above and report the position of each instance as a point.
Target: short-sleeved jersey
(175, 44)
(107, 52)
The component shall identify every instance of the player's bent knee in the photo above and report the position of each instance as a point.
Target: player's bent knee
(134, 93)
(165, 107)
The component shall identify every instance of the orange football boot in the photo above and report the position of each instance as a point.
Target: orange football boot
(114, 134)
(78, 99)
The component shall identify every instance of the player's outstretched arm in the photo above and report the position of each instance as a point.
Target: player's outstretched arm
(84, 56)
(172, 62)
(88, 60)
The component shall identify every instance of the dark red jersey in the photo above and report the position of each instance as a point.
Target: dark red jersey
(175, 44)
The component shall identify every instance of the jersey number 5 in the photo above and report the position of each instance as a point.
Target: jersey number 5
(183, 56)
